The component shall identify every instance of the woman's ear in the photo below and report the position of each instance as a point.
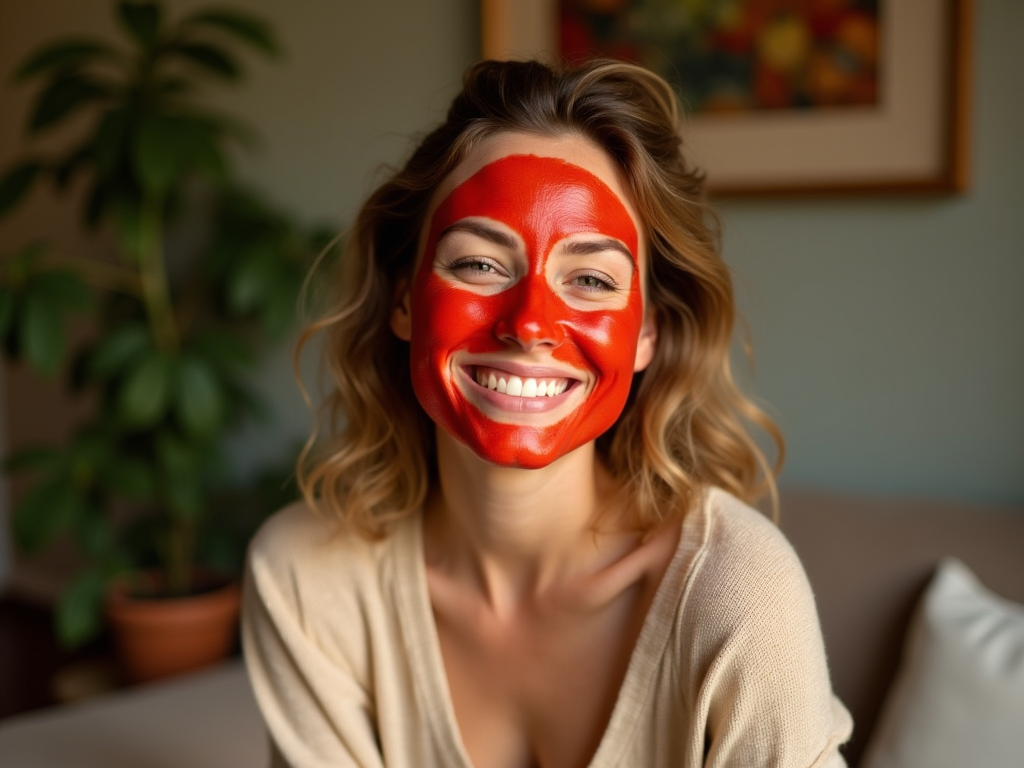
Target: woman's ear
(647, 342)
(401, 311)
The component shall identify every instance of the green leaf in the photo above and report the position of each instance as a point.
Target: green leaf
(144, 397)
(34, 459)
(230, 126)
(109, 140)
(200, 147)
(62, 290)
(131, 478)
(26, 257)
(279, 312)
(142, 20)
(209, 57)
(79, 609)
(90, 451)
(44, 512)
(253, 279)
(173, 86)
(128, 224)
(77, 160)
(200, 404)
(98, 199)
(62, 97)
(184, 497)
(156, 152)
(175, 457)
(16, 183)
(248, 29)
(65, 53)
(118, 349)
(41, 337)
(220, 349)
(93, 532)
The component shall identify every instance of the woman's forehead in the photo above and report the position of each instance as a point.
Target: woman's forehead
(542, 199)
(570, 148)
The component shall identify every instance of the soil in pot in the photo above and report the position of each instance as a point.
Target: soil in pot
(159, 637)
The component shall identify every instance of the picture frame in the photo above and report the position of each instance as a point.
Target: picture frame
(914, 140)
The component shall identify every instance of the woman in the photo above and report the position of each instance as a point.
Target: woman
(532, 546)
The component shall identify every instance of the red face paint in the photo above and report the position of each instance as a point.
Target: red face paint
(533, 322)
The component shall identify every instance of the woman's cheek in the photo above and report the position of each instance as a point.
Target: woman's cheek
(608, 339)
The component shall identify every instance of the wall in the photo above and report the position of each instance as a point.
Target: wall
(888, 330)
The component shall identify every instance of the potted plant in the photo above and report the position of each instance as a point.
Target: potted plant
(173, 332)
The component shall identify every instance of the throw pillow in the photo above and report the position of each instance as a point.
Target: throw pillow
(958, 697)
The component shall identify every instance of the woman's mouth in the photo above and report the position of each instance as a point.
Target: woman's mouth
(516, 386)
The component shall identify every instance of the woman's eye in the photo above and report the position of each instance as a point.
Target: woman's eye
(593, 283)
(475, 269)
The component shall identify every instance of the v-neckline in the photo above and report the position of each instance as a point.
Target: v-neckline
(423, 647)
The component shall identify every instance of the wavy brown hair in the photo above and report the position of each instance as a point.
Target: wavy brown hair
(685, 426)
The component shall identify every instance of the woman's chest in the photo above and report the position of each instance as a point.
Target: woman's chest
(539, 691)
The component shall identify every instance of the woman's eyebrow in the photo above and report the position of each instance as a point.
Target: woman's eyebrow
(481, 230)
(587, 247)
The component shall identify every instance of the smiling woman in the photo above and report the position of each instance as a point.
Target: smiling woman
(532, 546)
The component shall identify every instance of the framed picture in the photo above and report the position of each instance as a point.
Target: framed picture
(783, 96)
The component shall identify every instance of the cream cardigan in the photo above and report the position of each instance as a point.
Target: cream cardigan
(729, 668)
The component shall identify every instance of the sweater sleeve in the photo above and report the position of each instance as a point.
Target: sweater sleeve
(318, 712)
(763, 694)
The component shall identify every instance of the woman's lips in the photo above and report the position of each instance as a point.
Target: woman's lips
(526, 394)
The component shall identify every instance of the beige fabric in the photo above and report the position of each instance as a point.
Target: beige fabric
(729, 669)
(959, 696)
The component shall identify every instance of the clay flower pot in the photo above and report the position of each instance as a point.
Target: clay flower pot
(159, 637)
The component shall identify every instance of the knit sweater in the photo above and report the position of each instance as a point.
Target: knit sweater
(728, 670)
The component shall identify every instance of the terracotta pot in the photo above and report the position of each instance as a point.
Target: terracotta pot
(161, 637)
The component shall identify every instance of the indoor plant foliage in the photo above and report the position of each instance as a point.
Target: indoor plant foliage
(134, 485)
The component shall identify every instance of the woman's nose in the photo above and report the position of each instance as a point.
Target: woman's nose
(531, 318)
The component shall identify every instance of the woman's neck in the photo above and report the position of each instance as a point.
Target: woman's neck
(518, 533)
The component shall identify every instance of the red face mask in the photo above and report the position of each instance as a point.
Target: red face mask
(526, 311)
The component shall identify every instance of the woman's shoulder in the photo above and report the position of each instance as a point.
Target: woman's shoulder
(299, 542)
(746, 569)
(750, 640)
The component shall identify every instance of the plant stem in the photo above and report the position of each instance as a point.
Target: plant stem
(178, 557)
(156, 293)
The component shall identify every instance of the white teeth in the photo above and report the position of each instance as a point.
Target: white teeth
(517, 387)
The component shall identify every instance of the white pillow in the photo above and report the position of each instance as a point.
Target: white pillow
(958, 697)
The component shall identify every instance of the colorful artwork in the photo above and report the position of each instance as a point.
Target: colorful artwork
(738, 55)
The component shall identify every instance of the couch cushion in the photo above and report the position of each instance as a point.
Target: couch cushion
(958, 698)
(204, 720)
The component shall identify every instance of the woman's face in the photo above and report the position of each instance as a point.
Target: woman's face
(525, 313)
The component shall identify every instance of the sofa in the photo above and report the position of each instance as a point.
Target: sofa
(868, 559)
